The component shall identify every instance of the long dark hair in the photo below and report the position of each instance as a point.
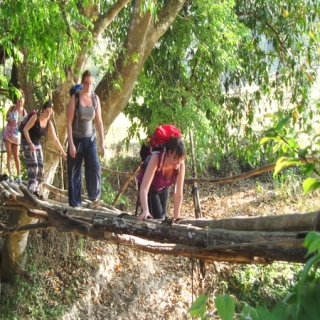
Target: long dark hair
(48, 104)
(176, 146)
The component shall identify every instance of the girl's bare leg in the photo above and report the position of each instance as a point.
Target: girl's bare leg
(9, 155)
(16, 149)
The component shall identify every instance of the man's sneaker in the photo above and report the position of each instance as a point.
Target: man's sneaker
(95, 203)
(38, 195)
(19, 180)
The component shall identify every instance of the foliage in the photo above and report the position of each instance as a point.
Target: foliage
(284, 136)
(43, 32)
(108, 192)
(44, 291)
(215, 71)
(288, 182)
(185, 96)
(262, 285)
(234, 61)
(111, 184)
(45, 38)
(301, 303)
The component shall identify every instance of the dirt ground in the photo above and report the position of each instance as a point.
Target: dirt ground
(123, 283)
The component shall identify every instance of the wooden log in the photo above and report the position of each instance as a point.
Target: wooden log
(285, 222)
(194, 236)
(258, 252)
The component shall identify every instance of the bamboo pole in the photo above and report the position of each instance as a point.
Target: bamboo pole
(195, 192)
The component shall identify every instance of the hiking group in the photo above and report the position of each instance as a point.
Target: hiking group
(27, 129)
(163, 159)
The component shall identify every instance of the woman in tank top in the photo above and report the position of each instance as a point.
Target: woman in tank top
(83, 117)
(11, 135)
(36, 127)
(154, 188)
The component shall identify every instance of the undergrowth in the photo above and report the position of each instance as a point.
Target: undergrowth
(258, 285)
(49, 284)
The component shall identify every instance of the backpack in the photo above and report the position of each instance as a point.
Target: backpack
(75, 89)
(158, 141)
(26, 119)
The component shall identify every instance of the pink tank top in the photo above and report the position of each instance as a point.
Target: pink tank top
(159, 182)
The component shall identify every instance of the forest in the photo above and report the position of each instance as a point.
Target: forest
(240, 80)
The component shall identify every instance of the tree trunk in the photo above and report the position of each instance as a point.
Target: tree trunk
(14, 246)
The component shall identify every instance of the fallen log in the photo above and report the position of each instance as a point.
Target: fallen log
(285, 222)
(225, 245)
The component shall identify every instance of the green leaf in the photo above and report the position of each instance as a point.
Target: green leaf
(285, 162)
(257, 314)
(264, 140)
(282, 123)
(310, 184)
(311, 236)
(198, 308)
(308, 168)
(312, 241)
(264, 314)
(292, 143)
(285, 310)
(249, 313)
(309, 300)
(314, 246)
(225, 306)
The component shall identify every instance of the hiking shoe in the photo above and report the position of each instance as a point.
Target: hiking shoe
(38, 195)
(18, 180)
(95, 203)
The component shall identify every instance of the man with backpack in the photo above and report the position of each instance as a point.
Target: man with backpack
(154, 183)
